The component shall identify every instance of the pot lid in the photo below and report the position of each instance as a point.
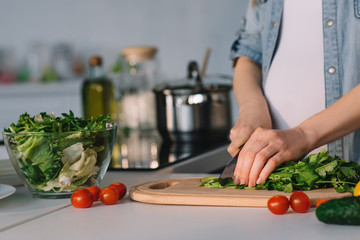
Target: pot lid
(193, 83)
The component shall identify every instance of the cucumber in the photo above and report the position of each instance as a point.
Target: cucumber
(343, 211)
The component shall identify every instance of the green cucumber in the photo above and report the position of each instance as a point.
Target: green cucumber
(342, 211)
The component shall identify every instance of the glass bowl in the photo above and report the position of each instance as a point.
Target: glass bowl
(53, 165)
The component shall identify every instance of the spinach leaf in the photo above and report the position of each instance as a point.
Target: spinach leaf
(317, 171)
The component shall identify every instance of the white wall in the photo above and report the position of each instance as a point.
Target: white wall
(181, 29)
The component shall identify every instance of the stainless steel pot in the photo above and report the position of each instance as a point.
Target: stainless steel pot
(194, 109)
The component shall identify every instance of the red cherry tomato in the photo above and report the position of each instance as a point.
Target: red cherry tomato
(299, 202)
(121, 187)
(278, 204)
(320, 201)
(109, 195)
(82, 198)
(95, 190)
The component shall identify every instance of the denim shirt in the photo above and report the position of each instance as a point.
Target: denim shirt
(258, 37)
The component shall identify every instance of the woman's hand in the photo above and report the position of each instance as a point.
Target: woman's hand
(252, 115)
(265, 150)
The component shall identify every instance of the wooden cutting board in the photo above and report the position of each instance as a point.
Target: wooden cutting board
(186, 191)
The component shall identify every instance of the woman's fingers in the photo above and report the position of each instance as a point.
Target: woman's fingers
(247, 156)
(264, 151)
(261, 159)
(254, 167)
(233, 149)
(238, 137)
(269, 167)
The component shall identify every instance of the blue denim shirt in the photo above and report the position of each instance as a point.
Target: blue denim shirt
(258, 38)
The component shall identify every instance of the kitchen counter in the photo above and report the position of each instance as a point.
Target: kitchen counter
(25, 217)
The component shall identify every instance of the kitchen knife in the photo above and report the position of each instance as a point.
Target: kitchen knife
(228, 172)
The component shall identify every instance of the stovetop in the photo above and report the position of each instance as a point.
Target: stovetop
(149, 151)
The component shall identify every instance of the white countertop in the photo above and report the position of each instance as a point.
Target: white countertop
(25, 217)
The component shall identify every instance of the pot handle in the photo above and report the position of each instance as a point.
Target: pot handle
(193, 72)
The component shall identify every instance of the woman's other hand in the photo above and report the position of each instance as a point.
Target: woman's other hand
(265, 150)
(252, 115)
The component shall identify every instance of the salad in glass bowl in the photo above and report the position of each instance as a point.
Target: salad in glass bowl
(55, 156)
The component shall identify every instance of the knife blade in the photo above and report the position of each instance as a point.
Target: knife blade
(228, 172)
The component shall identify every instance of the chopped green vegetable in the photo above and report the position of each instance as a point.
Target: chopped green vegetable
(48, 123)
(66, 158)
(317, 171)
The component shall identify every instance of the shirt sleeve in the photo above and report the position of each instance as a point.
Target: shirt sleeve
(248, 40)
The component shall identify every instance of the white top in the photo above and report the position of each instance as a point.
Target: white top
(295, 88)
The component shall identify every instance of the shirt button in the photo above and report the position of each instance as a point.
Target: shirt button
(332, 70)
(273, 24)
(329, 23)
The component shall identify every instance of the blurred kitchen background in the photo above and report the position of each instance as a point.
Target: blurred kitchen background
(45, 45)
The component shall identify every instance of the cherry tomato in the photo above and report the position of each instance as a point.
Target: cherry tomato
(278, 204)
(95, 190)
(320, 201)
(121, 187)
(82, 198)
(299, 202)
(109, 195)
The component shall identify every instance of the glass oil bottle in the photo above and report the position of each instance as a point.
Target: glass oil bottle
(98, 91)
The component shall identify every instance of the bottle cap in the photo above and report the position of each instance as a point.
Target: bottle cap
(95, 61)
(139, 53)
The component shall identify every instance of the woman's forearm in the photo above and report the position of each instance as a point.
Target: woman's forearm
(247, 81)
(253, 108)
(336, 121)
(248, 92)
